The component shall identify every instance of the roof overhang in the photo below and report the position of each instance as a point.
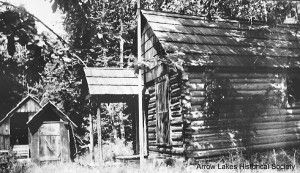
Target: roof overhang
(111, 82)
(19, 105)
(50, 105)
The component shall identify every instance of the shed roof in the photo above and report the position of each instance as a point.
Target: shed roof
(111, 81)
(196, 41)
(51, 106)
(20, 104)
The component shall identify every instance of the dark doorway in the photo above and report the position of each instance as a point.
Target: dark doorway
(19, 129)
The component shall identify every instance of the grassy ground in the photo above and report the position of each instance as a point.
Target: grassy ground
(148, 168)
(83, 164)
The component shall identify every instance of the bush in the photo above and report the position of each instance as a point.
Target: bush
(9, 164)
(110, 150)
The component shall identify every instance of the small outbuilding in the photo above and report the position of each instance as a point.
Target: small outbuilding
(52, 135)
(219, 86)
(42, 134)
(14, 132)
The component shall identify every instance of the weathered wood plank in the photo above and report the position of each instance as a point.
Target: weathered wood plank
(151, 123)
(246, 125)
(176, 128)
(152, 136)
(197, 100)
(176, 136)
(205, 153)
(152, 129)
(175, 106)
(173, 150)
(176, 113)
(255, 86)
(247, 75)
(196, 86)
(151, 111)
(197, 94)
(152, 105)
(204, 120)
(176, 120)
(151, 117)
(209, 145)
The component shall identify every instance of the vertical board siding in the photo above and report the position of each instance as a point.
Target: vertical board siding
(150, 46)
(29, 106)
(65, 143)
(239, 123)
(5, 127)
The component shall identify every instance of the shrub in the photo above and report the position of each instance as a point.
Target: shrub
(9, 164)
(110, 150)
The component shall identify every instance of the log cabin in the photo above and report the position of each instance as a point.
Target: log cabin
(219, 86)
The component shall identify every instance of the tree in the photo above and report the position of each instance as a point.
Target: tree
(21, 56)
(36, 64)
(95, 29)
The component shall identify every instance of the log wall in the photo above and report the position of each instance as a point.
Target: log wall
(176, 148)
(253, 115)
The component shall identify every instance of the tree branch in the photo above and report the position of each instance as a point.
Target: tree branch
(38, 20)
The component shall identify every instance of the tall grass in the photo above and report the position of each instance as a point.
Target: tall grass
(111, 150)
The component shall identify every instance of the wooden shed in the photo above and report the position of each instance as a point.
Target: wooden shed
(218, 86)
(52, 135)
(14, 133)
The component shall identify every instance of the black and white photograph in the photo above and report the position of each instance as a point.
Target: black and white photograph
(142, 86)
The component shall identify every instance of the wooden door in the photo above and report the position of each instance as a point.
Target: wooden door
(50, 142)
(162, 111)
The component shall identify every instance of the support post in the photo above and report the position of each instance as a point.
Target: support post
(99, 136)
(91, 138)
(140, 95)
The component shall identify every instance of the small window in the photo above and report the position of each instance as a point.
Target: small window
(293, 90)
(162, 109)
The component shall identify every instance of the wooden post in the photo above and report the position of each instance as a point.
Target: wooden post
(91, 138)
(99, 136)
(140, 95)
(121, 45)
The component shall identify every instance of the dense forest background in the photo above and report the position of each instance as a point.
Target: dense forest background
(99, 34)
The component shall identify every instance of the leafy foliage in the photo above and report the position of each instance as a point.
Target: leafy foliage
(222, 101)
(272, 12)
(37, 64)
(21, 56)
(95, 29)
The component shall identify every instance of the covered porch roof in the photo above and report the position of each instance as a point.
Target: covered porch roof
(111, 84)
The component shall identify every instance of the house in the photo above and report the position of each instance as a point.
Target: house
(219, 86)
(38, 133)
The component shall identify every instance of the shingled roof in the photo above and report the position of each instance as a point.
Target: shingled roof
(196, 41)
(111, 81)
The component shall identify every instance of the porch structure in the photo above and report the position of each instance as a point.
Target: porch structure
(113, 85)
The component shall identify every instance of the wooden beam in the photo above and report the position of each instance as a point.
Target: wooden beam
(140, 94)
(91, 138)
(99, 136)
